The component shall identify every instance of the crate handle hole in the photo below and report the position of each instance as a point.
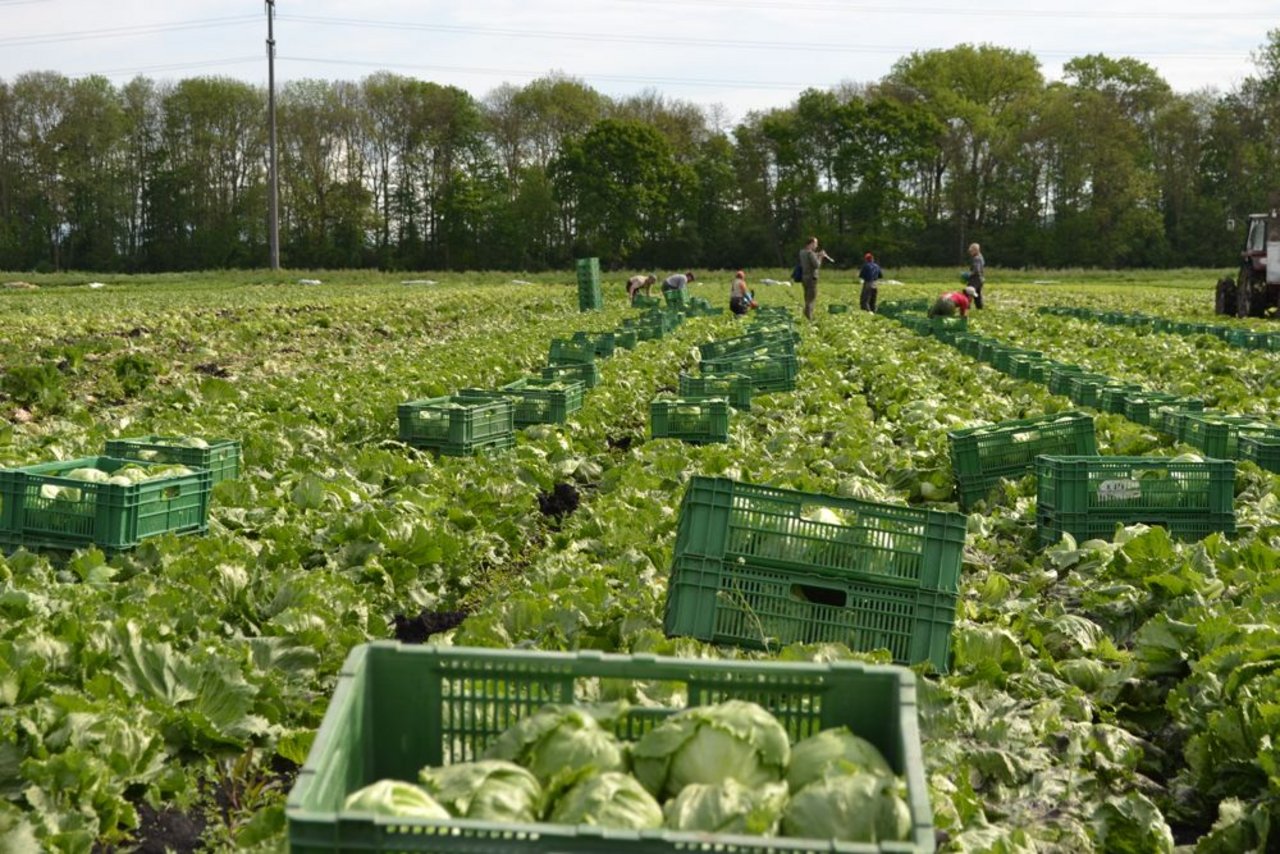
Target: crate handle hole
(171, 492)
(832, 596)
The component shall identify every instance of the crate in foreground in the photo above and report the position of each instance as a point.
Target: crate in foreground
(41, 506)
(1088, 496)
(758, 566)
(457, 425)
(695, 420)
(398, 708)
(1262, 451)
(981, 456)
(220, 456)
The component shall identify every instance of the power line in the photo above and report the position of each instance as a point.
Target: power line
(729, 44)
(120, 32)
(512, 72)
(1209, 14)
(174, 66)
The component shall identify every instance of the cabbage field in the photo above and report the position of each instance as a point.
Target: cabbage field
(1118, 697)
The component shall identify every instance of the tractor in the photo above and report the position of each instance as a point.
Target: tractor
(1255, 291)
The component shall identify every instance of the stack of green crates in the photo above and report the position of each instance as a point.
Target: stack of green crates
(735, 388)
(457, 425)
(1088, 496)
(1114, 397)
(220, 456)
(1060, 375)
(768, 373)
(399, 708)
(41, 506)
(590, 295)
(761, 567)
(1219, 435)
(697, 420)
(676, 298)
(982, 456)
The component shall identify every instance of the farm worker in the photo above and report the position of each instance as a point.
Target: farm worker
(741, 299)
(977, 272)
(676, 282)
(811, 258)
(948, 304)
(869, 274)
(639, 283)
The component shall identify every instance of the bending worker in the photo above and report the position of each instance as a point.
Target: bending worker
(956, 301)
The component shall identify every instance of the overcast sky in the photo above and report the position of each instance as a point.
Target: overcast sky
(741, 54)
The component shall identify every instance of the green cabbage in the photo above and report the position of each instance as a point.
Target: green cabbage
(833, 749)
(709, 744)
(556, 739)
(727, 807)
(396, 798)
(853, 807)
(491, 790)
(610, 799)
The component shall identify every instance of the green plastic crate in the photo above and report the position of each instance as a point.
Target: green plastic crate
(1083, 389)
(694, 420)
(603, 343)
(36, 512)
(1002, 360)
(565, 351)
(1021, 366)
(539, 401)
(750, 345)
(1112, 398)
(1219, 435)
(758, 607)
(676, 298)
(1060, 375)
(745, 549)
(735, 388)
(588, 374)
(590, 295)
(642, 301)
(837, 308)
(767, 373)
(398, 708)
(1171, 419)
(1088, 496)
(625, 338)
(765, 525)
(458, 426)
(1262, 451)
(982, 456)
(987, 350)
(1141, 408)
(221, 457)
(1249, 340)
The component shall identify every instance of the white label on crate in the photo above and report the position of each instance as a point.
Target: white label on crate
(1119, 490)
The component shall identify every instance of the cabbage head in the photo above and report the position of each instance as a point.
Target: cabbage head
(833, 749)
(395, 798)
(610, 799)
(489, 790)
(558, 739)
(851, 807)
(709, 744)
(727, 807)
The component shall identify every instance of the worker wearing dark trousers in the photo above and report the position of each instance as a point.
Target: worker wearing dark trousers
(977, 272)
(870, 275)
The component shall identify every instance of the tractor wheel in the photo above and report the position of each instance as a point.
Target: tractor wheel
(1224, 301)
(1245, 295)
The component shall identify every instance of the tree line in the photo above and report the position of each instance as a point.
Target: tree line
(1108, 167)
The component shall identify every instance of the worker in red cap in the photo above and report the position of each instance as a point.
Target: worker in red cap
(956, 301)
(870, 275)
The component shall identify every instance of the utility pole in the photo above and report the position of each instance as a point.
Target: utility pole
(273, 183)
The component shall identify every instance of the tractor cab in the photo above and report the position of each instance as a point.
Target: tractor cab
(1255, 291)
